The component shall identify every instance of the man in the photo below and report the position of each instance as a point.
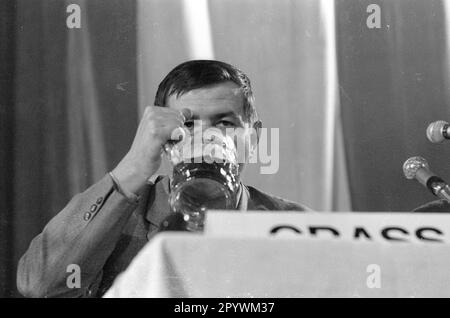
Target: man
(103, 228)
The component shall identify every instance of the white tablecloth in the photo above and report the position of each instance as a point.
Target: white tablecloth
(193, 265)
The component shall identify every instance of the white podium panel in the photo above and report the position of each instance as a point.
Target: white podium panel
(194, 265)
(350, 226)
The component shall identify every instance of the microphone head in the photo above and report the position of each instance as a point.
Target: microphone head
(435, 131)
(412, 165)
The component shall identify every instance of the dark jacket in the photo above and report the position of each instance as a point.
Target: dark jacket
(440, 206)
(101, 231)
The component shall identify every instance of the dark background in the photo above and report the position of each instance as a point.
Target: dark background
(393, 82)
(35, 180)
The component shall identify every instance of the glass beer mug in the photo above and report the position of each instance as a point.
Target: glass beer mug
(204, 177)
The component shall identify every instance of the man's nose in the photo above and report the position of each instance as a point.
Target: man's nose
(198, 128)
(206, 124)
(200, 125)
(205, 131)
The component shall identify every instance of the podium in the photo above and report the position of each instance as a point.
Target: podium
(177, 264)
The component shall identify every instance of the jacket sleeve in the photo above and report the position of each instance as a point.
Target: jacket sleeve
(78, 240)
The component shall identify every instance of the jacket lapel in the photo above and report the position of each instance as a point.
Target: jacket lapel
(253, 203)
(158, 202)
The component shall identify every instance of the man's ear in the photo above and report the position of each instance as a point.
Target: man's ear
(254, 138)
(257, 125)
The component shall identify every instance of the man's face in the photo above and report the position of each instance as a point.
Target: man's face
(219, 106)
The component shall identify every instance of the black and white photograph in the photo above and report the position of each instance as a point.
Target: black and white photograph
(245, 151)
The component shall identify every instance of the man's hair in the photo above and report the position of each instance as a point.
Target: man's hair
(195, 74)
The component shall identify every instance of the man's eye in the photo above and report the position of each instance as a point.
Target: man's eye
(189, 124)
(225, 123)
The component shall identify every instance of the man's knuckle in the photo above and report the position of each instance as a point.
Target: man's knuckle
(151, 113)
(153, 130)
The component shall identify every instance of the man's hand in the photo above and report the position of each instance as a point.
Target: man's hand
(144, 157)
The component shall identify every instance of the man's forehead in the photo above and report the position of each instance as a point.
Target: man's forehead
(223, 96)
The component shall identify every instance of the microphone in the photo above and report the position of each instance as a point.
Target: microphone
(418, 168)
(438, 131)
